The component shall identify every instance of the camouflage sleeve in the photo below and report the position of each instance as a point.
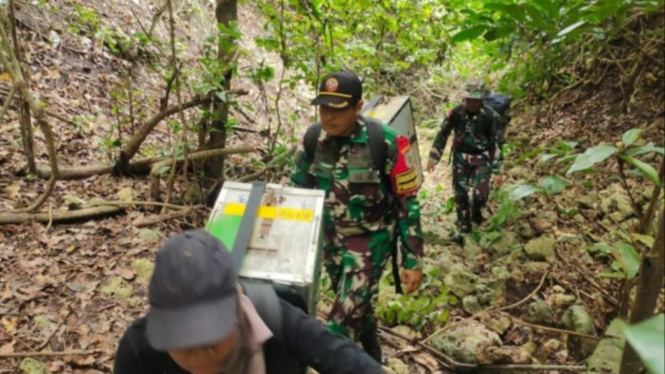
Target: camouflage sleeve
(497, 141)
(300, 176)
(407, 210)
(441, 139)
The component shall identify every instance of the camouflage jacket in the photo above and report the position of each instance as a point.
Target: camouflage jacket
(358, 200)
(476, 134)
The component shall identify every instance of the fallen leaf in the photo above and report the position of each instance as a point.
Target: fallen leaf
(125, 273)
(7, 348)
(12, 190)
(9, 323)
(70, 249)
(126, 194)
(5, 77)
(427, 361)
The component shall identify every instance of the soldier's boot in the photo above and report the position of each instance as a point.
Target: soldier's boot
(477, 216)
(369, 339)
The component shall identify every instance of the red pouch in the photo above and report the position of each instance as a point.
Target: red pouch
(404, 177)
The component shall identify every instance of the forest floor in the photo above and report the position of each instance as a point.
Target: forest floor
(76, 287)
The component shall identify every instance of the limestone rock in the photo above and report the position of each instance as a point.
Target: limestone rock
(524, 230)
(471, 304)
(617, 203)
(118, 289)
(143, 269)
(406, 331)
(505, 244)
(577, 318)
(149, 236)
(552, 346)
(467, 343)
(540, 311)
(499, 325)
(540, 249)
(461, 283)
(606, 359)
(534, 267)
(398, 366)
(32, 366)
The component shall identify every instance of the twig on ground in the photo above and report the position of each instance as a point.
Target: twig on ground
(47, 354)
(151, 220)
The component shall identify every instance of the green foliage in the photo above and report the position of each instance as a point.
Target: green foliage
(648, 340)
(429, 304)
(626, 260)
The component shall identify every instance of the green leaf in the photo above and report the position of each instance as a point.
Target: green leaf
(554, 184)
(631, 136)
(522, 191)
(591, 157)
(645, 149)
(547, 157)
(468, 34)
(566, 146)
(629, 259)
(644, 168)
(645, 239)
(549, 7)
(163, 170)
(571, 28)
(648, 340)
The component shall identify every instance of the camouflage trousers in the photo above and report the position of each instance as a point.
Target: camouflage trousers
(470, 172)
(355, 265)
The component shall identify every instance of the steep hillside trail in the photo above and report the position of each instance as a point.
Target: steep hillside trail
(525, 291)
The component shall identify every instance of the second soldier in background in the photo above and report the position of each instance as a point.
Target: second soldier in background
(476, 152)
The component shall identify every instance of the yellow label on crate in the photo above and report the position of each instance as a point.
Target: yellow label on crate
(271, 212)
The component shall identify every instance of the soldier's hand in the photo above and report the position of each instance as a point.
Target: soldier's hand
(498, 181)
(411, 279)
(430, 166)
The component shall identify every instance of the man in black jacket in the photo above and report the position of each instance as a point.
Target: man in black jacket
(201, 322)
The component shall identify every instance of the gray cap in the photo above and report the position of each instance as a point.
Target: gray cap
(192, 293)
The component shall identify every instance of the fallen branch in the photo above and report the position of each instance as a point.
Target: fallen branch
(552, 329)
(201, 155)
(131, 203)
(132, 146)
(58, 216)
(47, 354)
(491, 310)
(269, 166)
(152, 220)
(82, 172)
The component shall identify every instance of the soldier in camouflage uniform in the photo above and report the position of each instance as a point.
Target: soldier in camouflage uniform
(476, 152)
(362, 209)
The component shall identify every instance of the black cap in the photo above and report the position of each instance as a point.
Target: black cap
(339, 89)
(192, 293)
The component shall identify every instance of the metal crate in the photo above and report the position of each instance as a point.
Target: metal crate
(285, 247)
(397, 113)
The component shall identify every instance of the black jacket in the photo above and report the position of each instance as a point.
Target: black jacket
(303, 337)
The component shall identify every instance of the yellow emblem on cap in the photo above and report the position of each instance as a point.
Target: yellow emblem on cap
(332, 84)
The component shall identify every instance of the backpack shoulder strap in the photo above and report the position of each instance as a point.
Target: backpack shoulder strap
(377, 143)
(266, 302)
(456, 116)
(311, 139)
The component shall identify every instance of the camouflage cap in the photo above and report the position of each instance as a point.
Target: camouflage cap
(475, 89)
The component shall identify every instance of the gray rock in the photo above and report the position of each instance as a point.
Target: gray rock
(471, 304)
(617, 202)
(552, 346)
(460, 283)
(524, 230)
(535, 267)
(540, 249)
(588, 201)
(546, 219)
(505, 244)
(398, 366)
(500, 273)
(499, 325)
(579, 218)
(562, 300)
(540, 311)
(465, 343)
(491, 293)
(506, 355)
(576, 318)
(606, 358)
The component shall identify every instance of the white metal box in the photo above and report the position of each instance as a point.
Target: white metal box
(397, 113)
(285, 247)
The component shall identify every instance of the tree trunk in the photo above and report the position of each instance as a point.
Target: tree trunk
(649, 284)
(643, 228)
(226, 12)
